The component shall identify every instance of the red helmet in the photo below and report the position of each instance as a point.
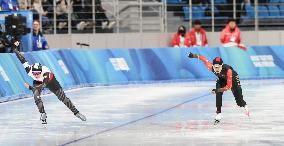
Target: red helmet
(218, 60)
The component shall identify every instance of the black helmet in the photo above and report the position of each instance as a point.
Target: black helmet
(37, 67)
(218, 60)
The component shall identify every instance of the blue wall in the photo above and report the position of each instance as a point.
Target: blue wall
(79, 67)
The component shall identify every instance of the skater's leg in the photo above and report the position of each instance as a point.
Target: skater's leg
(237, 91)
(219, 95)
(38, 101)
(55, 87)
(62, 97)
(218, 99)
(218, 117)
(219, 102)
(40, 106)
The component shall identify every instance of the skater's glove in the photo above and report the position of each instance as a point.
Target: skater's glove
(214, 91)
(191, 55)
(15, 46)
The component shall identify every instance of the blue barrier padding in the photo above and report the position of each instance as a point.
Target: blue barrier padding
(90, 67)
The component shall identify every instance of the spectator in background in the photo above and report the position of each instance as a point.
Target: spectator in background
(38, 11)
(198, 35)
(238, 8)
(179, 39)
(102, 21)
(61, 13)
(39, 41)
(82, 13)
(231, 35)
(9, 5)
(24, 4)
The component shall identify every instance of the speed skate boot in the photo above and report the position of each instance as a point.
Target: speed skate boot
(80, 116)
(43, 118)
(218, 118)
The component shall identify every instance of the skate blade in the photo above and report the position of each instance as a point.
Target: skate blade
(44, 122)
(83, 118)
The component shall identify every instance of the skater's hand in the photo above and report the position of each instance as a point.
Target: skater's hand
(213, 91)
(17, 43)
(15, 46)
(27, 85)
(191, 55)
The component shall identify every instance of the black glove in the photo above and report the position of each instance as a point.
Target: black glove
(15, 46)
(191, 55)
(218, 90)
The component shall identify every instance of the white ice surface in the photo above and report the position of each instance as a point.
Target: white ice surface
(129, 110)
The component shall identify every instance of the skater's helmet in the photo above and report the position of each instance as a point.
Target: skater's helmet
(218, 60)
(37, 68)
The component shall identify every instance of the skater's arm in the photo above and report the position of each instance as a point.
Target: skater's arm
(23, 61)
(21, 57)
(229, 81)
(207, 63)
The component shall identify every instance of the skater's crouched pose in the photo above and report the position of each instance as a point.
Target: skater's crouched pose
(44, 78)
(228, 79)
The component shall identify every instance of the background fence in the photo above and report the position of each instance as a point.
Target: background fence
(132, 16)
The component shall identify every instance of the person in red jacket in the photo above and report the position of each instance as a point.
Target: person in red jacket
(227, 79)
(231, 35)
(198, 35)
(179, 39)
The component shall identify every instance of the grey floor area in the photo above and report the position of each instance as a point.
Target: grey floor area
(164, 114)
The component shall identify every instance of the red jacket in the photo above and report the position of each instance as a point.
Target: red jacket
(194, 40)
(228, 36)
(176, 40)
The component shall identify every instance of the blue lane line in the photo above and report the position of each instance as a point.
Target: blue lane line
(134, 121)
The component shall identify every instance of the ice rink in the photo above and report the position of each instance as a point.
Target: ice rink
(160, 114)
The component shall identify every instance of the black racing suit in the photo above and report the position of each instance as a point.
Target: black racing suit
(228, 79)
(49, 81)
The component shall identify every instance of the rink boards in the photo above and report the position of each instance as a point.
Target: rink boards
(86, 67)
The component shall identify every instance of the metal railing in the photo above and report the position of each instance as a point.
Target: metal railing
(137, 16)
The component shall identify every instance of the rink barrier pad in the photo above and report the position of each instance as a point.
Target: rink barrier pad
(91, 67)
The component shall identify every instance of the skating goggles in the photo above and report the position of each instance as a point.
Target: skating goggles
(217, 66)
(36, 73)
